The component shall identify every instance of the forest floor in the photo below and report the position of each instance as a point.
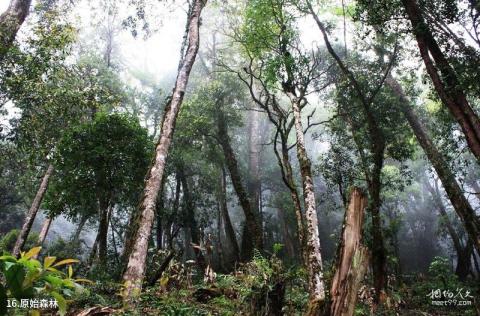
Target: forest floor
(265, 287)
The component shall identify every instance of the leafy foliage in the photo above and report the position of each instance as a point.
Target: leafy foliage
(27, 277)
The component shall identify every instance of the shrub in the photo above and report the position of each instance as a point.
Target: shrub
(28, 278)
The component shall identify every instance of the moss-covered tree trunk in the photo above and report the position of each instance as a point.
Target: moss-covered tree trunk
(190, 219)
(10, 22)
(463, 252)
(252, 237)
(444, 78)
(287, 175)
(136, 248)
(314, 264)
(454, 192)
(229, 230)
(105, 210)
(32, 212)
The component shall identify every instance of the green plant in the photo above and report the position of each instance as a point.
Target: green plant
(27, 278)
(8, 240)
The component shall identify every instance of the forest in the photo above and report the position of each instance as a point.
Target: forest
(241, 157)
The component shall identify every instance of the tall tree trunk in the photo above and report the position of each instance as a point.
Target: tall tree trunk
(253, 180)
(287, 238)
(32, 212)
(44, 231)
(454, 192)
(159, 213)
(229, 231)
(463, 253)
(252, 236)
(287, 177)
(221, 259)
(105, 211)
(78, 231)
(315, 274)
(444, 78)
(136, 249)
(377, 149)
(378, 247)
(353, 258)
(10, 22)
(190, 219)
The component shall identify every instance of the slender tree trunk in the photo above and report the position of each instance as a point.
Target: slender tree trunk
(105, 211)
(444, 78)
(221, 260)
(287, 177)
(353, 258)
(253, 181)
(378, 247)
(454, 192)
(286, 233)
(136, 249)
(377, 149)
(315, 274)
(229, 231)
(252, 236)
(32, 213)
(464, 263)
(159, 213)
(10, 22)
(44, 231)
(114, 241)
(463, 254)
(191, 221)
(79, 229)
(158, 274)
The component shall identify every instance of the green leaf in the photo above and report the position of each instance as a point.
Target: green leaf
(14, 279)
(66, 261)
(62, 303)
(48, 261)
(31, 277)
(31, 253)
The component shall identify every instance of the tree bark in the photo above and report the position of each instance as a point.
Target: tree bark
(219, 244)
(314, 264)
(10, 22)
(190, 220)
(353, 258)
(159, 210)
(377, 149)
(32, 212)
(105, 210)
(78, 231)
(463, 253)
(454, 192)
(253, 181)
(287, 177)
(444, 78)
(229, 230)
(286, 233)
(252, 237)
(137, 247)
(44, 231)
